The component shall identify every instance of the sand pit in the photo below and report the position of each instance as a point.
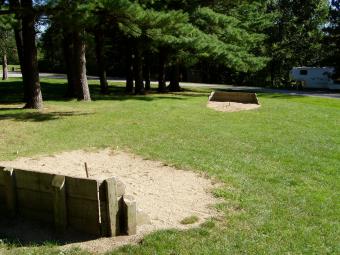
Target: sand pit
(165, 194)
(231, 106)
(231, 101)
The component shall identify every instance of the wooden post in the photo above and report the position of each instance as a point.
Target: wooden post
(10, 191)
(112, 206)
(130, 214)
(59, 203)
(86, 170)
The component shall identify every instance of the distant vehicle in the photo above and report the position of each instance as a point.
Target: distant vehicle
(315, 77)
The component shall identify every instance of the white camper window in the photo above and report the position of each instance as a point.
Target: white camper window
(303, 72)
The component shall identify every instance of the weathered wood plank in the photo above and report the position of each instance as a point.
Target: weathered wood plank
(34, 180)
(2, 199)
(2, 209)
(130, 214)
(85, 225)
(10, 191)
(59, 203)
(241, 97)
(2, 182)
(37, 215)
(36, 200)
(103, 219)
(82, 188)
(83, 208)
(112, 206)
(120, 188)
(2, 195)
(102, 190)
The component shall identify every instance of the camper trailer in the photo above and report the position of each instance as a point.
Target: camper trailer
(315, 77)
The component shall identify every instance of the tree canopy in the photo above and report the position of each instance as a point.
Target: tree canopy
(244, 41)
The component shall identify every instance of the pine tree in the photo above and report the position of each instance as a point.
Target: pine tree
(7, 43)
(73, 16)
(30, 62)
(332, 40)
(296, 37)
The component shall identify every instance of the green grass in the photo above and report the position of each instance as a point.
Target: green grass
(10, 67)
(189, 220)
(279, 164)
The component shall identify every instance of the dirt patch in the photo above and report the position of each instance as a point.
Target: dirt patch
(231, 106)
(167, 195)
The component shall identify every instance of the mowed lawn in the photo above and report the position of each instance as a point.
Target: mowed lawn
(280, 165)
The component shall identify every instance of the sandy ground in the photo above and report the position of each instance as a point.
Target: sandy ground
(167, 195)
(231, 106)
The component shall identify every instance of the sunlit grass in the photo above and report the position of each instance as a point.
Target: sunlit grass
(279, 164)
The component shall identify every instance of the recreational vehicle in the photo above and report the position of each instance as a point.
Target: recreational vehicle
(315, 77)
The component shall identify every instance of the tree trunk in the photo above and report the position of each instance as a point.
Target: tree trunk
(174, 79)
(99, 38)
(146, 71)
(68, 57)
(30, 63)
(15, 4)
(4, 67)
(138, 71)
(129, 70)
(161, 71)
(81, 83)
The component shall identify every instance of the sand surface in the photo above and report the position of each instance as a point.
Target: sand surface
(231, 106)
(167, 195)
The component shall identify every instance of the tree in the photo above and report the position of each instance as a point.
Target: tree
(24, 29)
(7, 44)
(296, 37)
(72, 17)
(186, 33)
(30, 61)
(122, 17)
(332, 39)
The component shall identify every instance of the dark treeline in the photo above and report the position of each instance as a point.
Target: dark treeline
(242, 42)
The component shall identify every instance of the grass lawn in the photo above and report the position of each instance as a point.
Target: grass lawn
(280, 164)
(10, 68)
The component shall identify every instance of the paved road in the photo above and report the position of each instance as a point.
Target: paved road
(314, 93)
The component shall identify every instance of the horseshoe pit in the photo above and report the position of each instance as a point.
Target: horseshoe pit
(232, 101)
(123, 198)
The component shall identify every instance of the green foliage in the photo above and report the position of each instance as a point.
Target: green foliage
(229, 40)
(7, 41)
(296, 37)
(332, 39)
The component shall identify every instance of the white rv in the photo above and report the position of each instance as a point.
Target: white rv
(315, 77)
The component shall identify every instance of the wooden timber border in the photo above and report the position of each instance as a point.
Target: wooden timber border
(96, 207)
(238, 97)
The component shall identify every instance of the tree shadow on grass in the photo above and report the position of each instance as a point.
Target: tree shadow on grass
(19, 232)
(279, 96)
(12, 92)
(37, 116)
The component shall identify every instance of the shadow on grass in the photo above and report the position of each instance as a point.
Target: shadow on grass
(279, 96)
(12, 92)
(37, 116)
(22, 233)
